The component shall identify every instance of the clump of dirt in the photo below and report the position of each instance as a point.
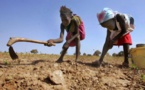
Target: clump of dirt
(41, 72)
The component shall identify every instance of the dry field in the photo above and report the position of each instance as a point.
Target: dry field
(41, 72)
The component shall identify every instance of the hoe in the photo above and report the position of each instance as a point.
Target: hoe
(13, 40)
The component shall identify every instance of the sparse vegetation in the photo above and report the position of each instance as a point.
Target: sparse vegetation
(119, 54)
(35, 51)
(6, 62)
(84, 54)
(79, 53)
(33, 71)
(97, 53)
(143, 77)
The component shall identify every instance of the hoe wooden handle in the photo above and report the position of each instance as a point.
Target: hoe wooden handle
(17, 39)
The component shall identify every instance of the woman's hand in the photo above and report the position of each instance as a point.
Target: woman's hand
(49, 43)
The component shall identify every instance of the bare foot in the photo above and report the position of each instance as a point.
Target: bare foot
(96, 63)
(124, 64)
(59, 61)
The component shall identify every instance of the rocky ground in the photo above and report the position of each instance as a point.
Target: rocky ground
(40, 72)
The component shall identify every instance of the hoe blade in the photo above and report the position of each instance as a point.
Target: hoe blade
(12, 53)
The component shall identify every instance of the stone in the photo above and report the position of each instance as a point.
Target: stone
(57, 77)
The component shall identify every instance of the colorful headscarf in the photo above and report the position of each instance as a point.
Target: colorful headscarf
(105, 15)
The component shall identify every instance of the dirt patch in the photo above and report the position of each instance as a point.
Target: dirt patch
(40, 72)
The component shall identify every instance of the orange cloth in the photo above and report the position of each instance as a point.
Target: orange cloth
(126, 39)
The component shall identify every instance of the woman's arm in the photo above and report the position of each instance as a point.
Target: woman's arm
(60, 39)
(76, 32)
(121, 21)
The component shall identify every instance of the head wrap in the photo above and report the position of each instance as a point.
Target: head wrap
(105, 15)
